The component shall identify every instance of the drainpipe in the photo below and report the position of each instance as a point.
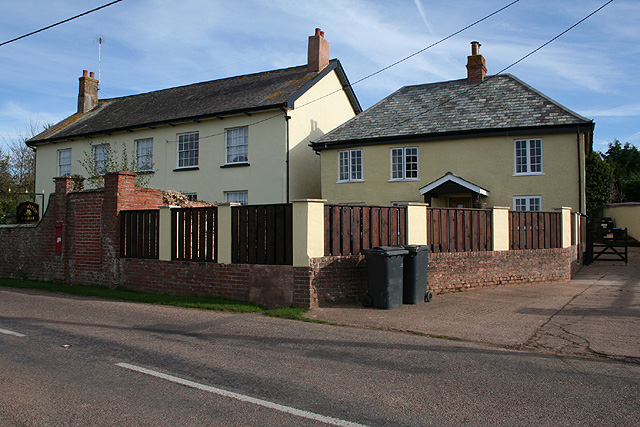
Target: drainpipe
(579, 171)
(287, 118)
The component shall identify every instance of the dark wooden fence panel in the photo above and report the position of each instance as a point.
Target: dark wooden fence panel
(351, 228)
(139, 234)
(262, 234)
(534, 230)
(194, 234)
(458, 230)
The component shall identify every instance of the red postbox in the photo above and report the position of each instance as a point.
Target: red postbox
(58, 246)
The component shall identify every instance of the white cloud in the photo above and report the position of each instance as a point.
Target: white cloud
(628, 110)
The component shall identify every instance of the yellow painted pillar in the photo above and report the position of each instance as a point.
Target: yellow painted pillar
(308, 230)
(500, 228)
(417, 223)
(565, 228)
(164, 233)
(224, 232)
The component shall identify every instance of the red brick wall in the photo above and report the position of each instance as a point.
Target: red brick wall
(268, 285)
(344, 279)
(91, 256)
(90, 233)
(91, 251)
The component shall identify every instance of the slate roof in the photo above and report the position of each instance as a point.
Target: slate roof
(454, 108)
(252, 92)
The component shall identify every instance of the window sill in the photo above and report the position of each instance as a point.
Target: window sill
(234, 165)
(529, 174)
(404, 180)
(348, 181)
(188, 168)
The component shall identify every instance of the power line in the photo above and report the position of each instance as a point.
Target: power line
(437, 43)
(61, 22)
(383, 69)
(417, 53)
(473, 87)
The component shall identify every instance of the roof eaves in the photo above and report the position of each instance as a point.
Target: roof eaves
(220, 115)
(472, 133)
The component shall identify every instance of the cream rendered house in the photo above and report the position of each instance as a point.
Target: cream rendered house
(241, 139)
(480, 141)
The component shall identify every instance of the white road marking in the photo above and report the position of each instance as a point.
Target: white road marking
(7, 332)
(243, 398)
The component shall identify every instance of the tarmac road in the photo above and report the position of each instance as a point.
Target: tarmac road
(75, 361)
(597, 314)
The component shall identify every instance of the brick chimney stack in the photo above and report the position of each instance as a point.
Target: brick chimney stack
(88, 93)
(476, 65)
(318, 53)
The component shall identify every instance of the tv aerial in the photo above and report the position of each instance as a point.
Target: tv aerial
(100, 40)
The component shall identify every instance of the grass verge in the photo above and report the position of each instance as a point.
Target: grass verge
(206, 303)
(122, 294)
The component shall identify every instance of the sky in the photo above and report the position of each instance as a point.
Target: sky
(156, 44)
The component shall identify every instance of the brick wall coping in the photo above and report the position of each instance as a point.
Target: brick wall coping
(33, 225)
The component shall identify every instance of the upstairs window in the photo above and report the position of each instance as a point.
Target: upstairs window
(350, 165)
(64, 162)
(527, 203)
(237, 145)
(144, 154)
(101, 154)
(404, 163)
(528, 156)
(188, 148)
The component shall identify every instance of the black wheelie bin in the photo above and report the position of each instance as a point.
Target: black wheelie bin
(415, 275)
(384, 276)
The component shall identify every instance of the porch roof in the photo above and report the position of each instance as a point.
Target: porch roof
(450, 183)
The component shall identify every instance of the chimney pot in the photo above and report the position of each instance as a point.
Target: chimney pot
(84, 73)
(475, 48)
(318, 31)
(91, 74)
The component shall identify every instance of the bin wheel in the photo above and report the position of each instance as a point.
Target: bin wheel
(366, 301)
(428, 296)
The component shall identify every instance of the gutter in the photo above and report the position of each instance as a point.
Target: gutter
(439, 136)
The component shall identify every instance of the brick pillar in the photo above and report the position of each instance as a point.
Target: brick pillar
(59, 210)
(64, 185)
(119, 193)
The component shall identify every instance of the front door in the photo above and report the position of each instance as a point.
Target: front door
(460, 202)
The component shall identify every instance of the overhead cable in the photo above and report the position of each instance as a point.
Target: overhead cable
(61, 22)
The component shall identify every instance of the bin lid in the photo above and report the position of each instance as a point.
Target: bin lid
(386, 251)
(413, 249)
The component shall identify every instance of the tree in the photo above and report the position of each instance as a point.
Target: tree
(6, 181)
(599, 183)
(625, 161)
(110, 160)
(17, 171)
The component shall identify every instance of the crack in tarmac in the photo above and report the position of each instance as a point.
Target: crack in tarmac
(555, 338)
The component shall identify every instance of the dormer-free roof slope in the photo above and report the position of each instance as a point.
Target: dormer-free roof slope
(242, 94)
(499, 104)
